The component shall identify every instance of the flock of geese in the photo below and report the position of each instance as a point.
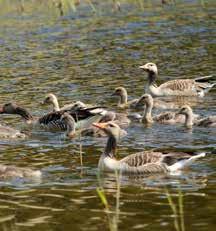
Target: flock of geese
(79, 118)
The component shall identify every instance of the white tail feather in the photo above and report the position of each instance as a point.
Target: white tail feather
(86, 123)
(183, 163)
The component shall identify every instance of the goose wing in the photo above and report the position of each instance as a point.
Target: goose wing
(53, 119)
(142, 158)
(143, 162)
(165, 116)
(179, 85)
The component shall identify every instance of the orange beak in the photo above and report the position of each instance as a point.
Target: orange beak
(100, 125)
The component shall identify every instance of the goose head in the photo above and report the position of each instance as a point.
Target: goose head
(150, 68)
(146, 99)
(50, 98)
(111, 129)
(8, 108)
(13, 108)
(120, 91)
(185, 110)
(78, 105)
(67, 119)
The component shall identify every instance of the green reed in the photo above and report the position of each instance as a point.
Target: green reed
(112, 215)
(178, 210)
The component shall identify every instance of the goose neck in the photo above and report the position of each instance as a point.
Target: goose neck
(123, 98)
(24, 114)
(111, 146)
(55, 105)
(147, 116)
(189, 120)
(152, 77)
(70, 127)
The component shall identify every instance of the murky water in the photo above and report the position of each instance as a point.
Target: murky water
(85, 56)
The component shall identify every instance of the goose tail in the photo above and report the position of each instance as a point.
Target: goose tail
(204, 78)
(185, 162)
(86, 123)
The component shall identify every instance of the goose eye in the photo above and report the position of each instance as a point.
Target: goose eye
(111, 125)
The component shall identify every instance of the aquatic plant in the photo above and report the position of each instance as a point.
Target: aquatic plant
(178, 211)
(112, 215)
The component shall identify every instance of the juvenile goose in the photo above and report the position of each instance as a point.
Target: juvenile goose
(50, 120)
(7, 172)
(164, 118)
(204, 122)
(141, 162)
(184, 87)
(123, 99)
(52, 99)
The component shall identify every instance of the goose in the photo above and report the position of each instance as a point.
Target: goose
(52, 99)
(168, 117)
(179, 87)
(51, 120)
(203, 122)
(141, 162)
(9, 171)
(7, 132)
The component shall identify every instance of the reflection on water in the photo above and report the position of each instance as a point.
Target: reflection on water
(84, 56)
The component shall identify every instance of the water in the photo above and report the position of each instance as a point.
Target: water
(85, 56)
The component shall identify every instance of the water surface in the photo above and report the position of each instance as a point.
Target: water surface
(85, 56)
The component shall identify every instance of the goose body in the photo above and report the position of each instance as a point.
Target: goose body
(141, 162)
(50, 121)
(7, 132)
(187, 111)
(178, 87)
(7, 172)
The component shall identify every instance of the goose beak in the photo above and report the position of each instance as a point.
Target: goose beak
(1, 110)
(144, 67)
(100, 125)
(179, 112)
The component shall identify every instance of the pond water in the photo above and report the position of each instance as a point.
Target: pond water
(84, 56)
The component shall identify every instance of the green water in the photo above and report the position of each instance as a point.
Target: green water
(84, 56)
